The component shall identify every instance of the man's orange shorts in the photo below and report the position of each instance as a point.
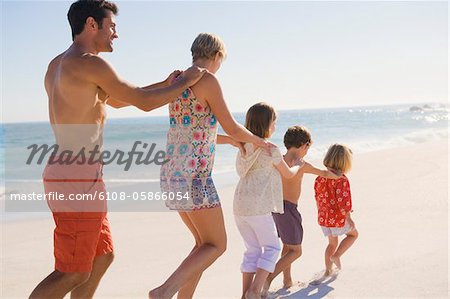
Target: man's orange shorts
(82, 229)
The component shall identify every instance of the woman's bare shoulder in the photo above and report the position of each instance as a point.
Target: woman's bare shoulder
(208, 81)
(207, 87)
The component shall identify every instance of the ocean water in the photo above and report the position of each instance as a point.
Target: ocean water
(363, 129)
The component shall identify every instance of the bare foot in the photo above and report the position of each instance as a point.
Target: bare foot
(287, 284)
(336, 261)
(325, 276)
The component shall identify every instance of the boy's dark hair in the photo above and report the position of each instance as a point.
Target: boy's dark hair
(80, 10)
(296, 136)
(259, 118)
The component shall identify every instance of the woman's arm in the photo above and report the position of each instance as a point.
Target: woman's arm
(211, 92)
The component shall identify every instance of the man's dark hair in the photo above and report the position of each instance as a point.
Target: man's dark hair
(80, 10)
(296, 136)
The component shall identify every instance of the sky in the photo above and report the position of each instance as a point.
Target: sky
(294, 55)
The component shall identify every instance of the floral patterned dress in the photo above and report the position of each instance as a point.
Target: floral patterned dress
(191, 145)
(334, 201)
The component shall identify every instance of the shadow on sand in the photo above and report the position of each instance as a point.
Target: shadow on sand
(309, 291)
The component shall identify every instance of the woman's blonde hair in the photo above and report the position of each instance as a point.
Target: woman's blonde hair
(339, 157)
(259, 118)
(207, 45)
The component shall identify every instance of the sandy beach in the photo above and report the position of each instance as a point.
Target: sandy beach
(400, 199)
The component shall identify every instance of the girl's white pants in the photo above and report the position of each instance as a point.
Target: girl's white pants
(261, 240)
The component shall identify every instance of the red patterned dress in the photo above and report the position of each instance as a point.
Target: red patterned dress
(334, 201)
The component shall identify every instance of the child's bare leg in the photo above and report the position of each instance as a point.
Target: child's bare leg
(287, 277)
(254, 292)
(295, 251)
(286, 271)
(271, 276)
(247, 280)
(343, 247)
(331, 249)
(213, 245)
(289, 254)
(187, 291)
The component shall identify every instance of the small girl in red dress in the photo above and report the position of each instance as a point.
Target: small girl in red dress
(334, 205)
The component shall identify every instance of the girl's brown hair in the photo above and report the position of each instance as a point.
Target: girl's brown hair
(339, 157)
(259, 118)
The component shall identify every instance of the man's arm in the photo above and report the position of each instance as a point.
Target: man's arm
(101, 73)
(116, 104)
(119, 104)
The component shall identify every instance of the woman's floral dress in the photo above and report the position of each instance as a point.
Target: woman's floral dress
(191, 145)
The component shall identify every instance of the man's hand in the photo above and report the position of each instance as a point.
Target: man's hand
(193, 74)
(172, 77)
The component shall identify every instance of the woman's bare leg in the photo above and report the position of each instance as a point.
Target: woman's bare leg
(187, 291)
(289, 254)
(213, 238)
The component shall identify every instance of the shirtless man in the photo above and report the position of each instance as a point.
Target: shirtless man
(297, 140)
(79, 84)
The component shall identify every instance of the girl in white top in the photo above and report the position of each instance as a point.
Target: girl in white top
(258, 194)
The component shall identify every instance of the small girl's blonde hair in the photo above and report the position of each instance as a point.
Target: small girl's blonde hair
(339, 157)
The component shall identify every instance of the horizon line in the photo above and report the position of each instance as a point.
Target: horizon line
(446, 104)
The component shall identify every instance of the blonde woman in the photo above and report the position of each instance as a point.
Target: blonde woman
(191, 145)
